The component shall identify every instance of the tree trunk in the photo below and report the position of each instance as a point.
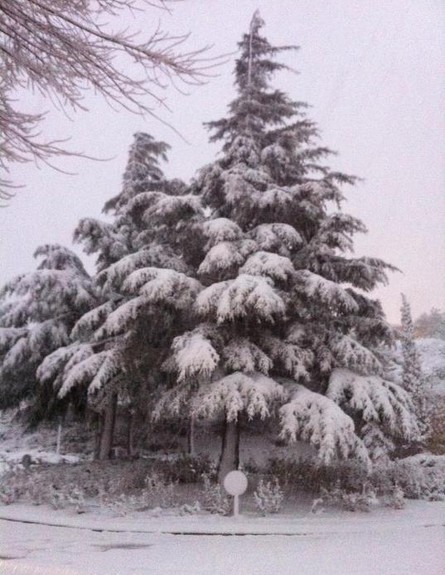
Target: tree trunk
(191, 437)
(95, 421)
(107, 429)
(229, 459)
(130, 434)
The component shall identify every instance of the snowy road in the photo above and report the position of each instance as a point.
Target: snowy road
(47, 550)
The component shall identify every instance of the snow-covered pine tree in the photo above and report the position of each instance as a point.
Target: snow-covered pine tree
(284, 316)
(413, 380)
(37, 313)
(118, 347)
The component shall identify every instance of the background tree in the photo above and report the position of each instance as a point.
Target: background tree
(284, 318)
(60, 49)
(37, 313)
(413, 379)
(430, 324)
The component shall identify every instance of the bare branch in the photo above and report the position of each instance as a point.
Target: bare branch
(62, 48)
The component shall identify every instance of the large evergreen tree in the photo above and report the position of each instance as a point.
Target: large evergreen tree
(285, 319)
(118, 347)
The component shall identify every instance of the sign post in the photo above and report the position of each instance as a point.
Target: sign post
(235, 483)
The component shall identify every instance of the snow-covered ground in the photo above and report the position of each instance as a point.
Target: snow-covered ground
(384, 542)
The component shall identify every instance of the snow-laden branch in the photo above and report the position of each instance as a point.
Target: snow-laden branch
(253, 394)
(270, 265)
(375, 400)
(280, 238)
(327, 292)
(245, 296)
(194, 356)
(318, 420)
(221, 230)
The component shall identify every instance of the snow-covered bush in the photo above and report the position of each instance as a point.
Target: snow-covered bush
(159, 489)
(214, 498)
(308, 475)
(363, 500)
(268, 496)
(420, 476)
(396, 498)
(185, 468)
(37, 488)
(67, 496)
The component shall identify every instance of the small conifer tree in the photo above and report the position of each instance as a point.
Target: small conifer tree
(413, 380)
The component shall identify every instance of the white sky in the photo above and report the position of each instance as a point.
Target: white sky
(374, 74)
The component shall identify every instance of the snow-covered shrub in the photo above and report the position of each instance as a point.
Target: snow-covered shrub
(160, 490)
(117, 505)
(214, 497)
(37, 488)
(8, 493)
(157, 492)
(421, 476)
(185, 468)
(190, 509)
(67, 496)
(309, 476)
(395, 499)
(363, 500)
(268, 496)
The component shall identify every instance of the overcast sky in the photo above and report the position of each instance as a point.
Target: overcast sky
(374, 74)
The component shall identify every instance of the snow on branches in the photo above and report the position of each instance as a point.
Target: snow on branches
(328, 293)
(95, 371)
(226, 257)
(288, 358)
(221, 230)
(245, 296)
(318, 420)
(351, 354)
(194, 356)
(271, 265)
(240, 354)
(39, 310)
(375, 400)
(254, 394)
(166, 286)
(115, 274)
(280, 238)
(58, 364)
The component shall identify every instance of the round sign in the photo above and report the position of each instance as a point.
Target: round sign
(235, 483)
